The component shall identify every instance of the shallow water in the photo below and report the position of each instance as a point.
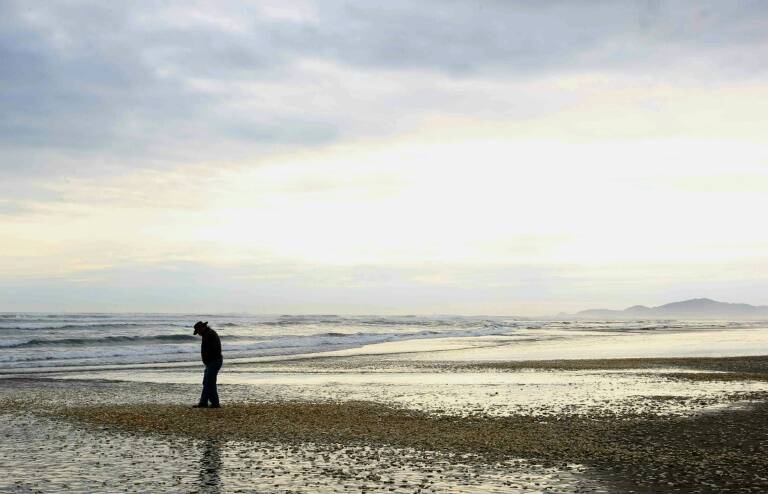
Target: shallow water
(688, 341)
(453, 392)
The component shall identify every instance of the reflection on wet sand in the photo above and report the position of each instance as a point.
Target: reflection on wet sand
(210, 467)
(43, 455)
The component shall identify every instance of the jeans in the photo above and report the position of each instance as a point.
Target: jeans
(209, 383)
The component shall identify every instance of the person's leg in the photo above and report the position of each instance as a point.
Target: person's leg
(206, 394)
(213, 393)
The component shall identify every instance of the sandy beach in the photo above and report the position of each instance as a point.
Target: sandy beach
(320, 425)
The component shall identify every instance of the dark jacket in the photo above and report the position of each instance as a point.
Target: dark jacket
(210, 348)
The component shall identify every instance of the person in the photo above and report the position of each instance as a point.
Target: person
(210, 351)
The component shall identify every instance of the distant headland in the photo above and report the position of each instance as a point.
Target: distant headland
(695, 308)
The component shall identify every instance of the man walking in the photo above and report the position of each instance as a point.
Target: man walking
(210, 351)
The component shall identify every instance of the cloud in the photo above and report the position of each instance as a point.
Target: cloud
(155, 84)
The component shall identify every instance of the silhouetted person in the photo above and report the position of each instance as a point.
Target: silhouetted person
(210, 351)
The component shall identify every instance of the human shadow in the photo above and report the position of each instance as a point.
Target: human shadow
(210, 467)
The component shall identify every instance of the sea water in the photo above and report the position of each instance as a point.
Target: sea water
(34, 342)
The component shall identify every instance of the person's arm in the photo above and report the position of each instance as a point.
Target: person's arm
(217, 346)
(205, 350)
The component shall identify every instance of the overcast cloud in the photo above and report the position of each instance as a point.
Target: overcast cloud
(158, 83)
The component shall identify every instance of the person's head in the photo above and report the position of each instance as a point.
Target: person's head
(201, 327)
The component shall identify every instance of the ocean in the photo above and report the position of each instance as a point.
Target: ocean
(37, 341)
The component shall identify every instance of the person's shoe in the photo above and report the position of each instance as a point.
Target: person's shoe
(199, 406)
(215, 406)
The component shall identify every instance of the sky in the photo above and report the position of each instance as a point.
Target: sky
(433, 157)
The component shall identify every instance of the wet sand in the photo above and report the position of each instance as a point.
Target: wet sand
(755, 366)
(64, 457)
(726, 450)
(338, 445)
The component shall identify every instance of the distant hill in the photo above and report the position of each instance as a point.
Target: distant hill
(695, 308)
